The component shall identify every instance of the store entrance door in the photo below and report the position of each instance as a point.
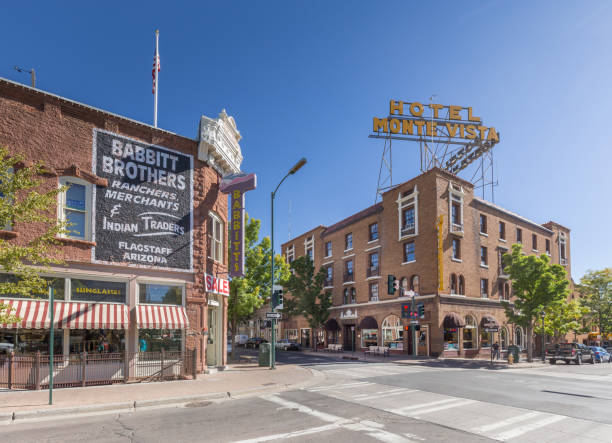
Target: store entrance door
(214, 345)
(349, 338)
(423, 340)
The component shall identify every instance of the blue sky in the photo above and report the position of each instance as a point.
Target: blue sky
(306, 78)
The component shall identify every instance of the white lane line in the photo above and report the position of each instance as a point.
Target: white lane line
(509, 421)
(293, 434)
(342, 386)
(420, 412)
(422, 405)
(374, 430)
(520, 430)
(386, 391)
(387, 394)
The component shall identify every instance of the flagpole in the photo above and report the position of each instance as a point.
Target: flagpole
(156, 75)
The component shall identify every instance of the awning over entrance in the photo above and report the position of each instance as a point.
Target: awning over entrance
(91, 316)
(453, 320)
(488, 320)
(161, 317)
(34, 314)
(331, 325)
(368, 323)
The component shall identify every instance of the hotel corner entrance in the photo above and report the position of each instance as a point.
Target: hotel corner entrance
(214, 346)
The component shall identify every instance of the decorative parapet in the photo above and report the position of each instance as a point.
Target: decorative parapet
(219, 144)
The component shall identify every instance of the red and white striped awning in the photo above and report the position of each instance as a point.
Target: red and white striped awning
(161, 317)
(34, 314)
(91, 316)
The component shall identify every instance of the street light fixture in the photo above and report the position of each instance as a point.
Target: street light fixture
(542, 315)
(292, 171)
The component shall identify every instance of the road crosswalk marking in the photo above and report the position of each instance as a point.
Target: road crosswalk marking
(507, 422)
(520, 430)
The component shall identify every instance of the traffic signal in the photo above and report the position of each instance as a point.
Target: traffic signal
(405, 310)
(277, 297)
(392, 284)
(421, 310)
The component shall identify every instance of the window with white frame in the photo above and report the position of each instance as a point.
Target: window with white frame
(455, 202)
(309, 247)
(407, 205)
(456, 249)
(328, 249)
(548, 246)
(290, 253)
(75, 207)
(562, 248)
(348, 241)
(484, 288)
(373, 291)
(373, 232)
(216, 237)
(409, 252)
(484, 256)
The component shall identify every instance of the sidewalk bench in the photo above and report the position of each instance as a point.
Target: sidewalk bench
(334, 347)
(377, 350)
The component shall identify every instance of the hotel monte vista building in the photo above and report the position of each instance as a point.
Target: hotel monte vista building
(145, 258)
(399, 236)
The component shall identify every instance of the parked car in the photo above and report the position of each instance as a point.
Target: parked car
(6, 348)
(600, 354)
(287, 345)
(254, 342)
(569, 352)
(241, 339)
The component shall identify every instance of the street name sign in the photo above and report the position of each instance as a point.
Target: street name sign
(273, 315)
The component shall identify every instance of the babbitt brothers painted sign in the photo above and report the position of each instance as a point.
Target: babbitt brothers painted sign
(145, 215)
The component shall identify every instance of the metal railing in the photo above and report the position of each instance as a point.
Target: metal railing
(31, 371)
(349, 276)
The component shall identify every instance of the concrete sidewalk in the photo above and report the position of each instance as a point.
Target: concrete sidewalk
(236, 381)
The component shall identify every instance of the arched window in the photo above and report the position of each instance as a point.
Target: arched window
(345, 298)
(518, 336)
(503, 337)
(414, 284)
(453, 284)
(461, 285)
(392, 332)
(507, 291)
(403, 286)
(353, 295)
(470, 333)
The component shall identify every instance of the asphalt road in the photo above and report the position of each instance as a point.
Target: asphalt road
(369, 402)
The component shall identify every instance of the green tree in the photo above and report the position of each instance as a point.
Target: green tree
(21, 203)
(252, 291)
(307, 297)
(561, 318)
(596, 294)
(536, 284)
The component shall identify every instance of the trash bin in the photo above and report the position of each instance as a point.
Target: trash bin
(264, 354)
(515, 351)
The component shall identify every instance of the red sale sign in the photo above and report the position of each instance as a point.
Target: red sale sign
(216, 285)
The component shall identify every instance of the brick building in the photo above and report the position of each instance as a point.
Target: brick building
(145, 257)
(399, 236)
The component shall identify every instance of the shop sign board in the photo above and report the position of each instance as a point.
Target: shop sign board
(236, 185)
(216, 285)
(97, 291)
(144, 217)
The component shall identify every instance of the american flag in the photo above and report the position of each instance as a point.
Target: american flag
(158, 63)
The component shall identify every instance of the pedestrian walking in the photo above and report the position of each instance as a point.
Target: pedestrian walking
(495, 351)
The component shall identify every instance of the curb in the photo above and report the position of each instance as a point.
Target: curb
(7, 418)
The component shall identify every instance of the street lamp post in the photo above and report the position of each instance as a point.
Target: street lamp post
(542, 315)
(292, 171)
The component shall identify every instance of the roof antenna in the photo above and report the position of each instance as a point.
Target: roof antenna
(32, 73)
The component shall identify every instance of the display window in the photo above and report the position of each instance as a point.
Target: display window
(27, 341)
(486, 338)
(58, 285)
(154, 340)
(469, 333)
(392, 332)
(291, 334)
(369, 337)
(97, 341)
(160, 294)
(451, 341)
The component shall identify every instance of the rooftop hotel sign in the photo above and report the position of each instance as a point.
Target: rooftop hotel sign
(438, 123)
(144, 216)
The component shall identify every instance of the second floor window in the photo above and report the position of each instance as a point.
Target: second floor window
(348, 241)
(373, 291)
(534, 242)
(502, 230)
(483, 224)
(456, 249)
(330, 276)
(216, 238)
(75, 207)
(373, 232)
(328, 249)
(484, 260)
(348, 271)
(547, 246)
(562, 256)
(409, 252)
(484, 288)
(373, 265)
(519, 235)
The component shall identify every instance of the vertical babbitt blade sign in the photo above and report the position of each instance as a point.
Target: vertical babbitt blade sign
(144, 216)
(236, 185)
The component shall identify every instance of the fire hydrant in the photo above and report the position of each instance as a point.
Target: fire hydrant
(510, 358)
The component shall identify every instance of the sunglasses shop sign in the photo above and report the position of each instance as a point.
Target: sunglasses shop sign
(144, 216)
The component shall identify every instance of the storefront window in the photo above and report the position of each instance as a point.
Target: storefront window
(393, 334)
(96, 341)
(291, 335)
(160, 294)
(518, 336)
(56, 283)
(97, 291)
(485, 338)
(26, 341)
(451, 342)
(154, 340)
(503, 338)
(469, 333)
(369, 337)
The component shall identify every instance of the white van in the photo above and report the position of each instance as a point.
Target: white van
(241, 339)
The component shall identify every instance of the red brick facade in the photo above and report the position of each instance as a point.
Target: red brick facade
(431, 194)
(58, 132)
